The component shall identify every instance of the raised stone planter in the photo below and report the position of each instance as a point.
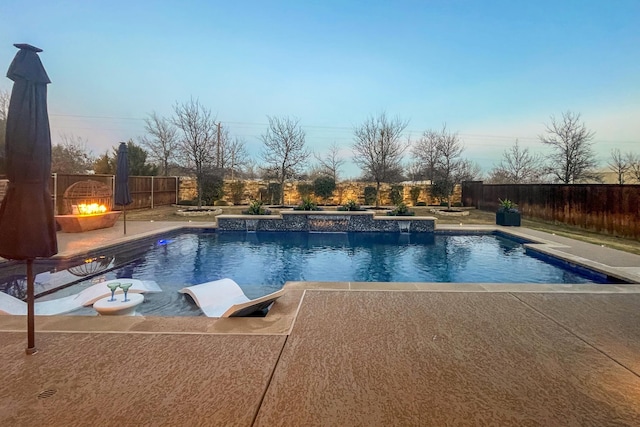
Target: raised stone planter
(201, 212)
(327, 221)
(80, 223)
(445, 212)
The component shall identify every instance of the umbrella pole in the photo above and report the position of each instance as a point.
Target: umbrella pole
(124, 209)
(31, 338)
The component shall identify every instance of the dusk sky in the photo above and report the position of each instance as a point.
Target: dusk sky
(493, 71)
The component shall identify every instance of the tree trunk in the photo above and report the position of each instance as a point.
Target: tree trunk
(282, 191)
(199, 186)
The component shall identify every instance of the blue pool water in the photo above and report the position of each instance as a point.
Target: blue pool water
(262, 262)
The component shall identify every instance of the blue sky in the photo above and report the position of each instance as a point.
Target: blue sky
(493, 71)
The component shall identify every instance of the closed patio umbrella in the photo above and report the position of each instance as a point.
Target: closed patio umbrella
(27, 224)
(123, 196)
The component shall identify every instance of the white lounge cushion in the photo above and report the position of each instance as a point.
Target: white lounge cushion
(86, 297)
(224, 298)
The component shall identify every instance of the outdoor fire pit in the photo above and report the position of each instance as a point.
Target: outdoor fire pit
(88, 206)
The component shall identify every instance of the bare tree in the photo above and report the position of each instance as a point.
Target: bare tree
(468, 171)
(71, 155)
(223, 139)
(331, 163)
(161, 141)
(284, 152)
(197, 138)
(4, 104)
(415, 171)
(426, 153)
(518, 166)
(4, 109)
(238, 155)
(231, 153)
(378, 149)
(634, 166)
(572, 159)
(619, 164)
(250, 170)
(498, 176)
(449, 165)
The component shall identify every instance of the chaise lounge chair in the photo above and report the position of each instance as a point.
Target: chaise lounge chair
(86, 297)
(224, 298)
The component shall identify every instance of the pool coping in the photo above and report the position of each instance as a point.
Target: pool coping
(281, 318)
(539, 244)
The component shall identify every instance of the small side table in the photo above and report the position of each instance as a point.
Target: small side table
(104, 307)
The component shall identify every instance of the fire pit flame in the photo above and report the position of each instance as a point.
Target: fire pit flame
(91, 209)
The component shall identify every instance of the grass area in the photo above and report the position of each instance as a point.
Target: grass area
(168, 213)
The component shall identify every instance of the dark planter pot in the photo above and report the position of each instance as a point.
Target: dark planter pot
(508, 218)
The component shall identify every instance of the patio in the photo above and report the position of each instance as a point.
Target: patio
(344, 354)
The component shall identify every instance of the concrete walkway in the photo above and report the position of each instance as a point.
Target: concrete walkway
(335, 354)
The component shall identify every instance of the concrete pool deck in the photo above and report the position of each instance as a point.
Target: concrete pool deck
(344, 354)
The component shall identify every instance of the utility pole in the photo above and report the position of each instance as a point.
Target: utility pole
(218, 162)
(233, 162)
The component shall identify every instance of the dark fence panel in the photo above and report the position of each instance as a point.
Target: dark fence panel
(608, 208)
(146, 191)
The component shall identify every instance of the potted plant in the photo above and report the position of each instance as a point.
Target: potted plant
(508, 213)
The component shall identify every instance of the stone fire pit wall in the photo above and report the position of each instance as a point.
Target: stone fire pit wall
(327, 221)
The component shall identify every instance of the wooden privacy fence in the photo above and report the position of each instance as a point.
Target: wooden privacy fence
(146, 191)
(613, 209)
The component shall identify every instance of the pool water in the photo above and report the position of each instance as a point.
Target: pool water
(262, 262)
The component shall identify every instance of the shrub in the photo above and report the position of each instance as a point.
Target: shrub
(256, 208)
(442, 190)
(307, 205)
(395, 194)
(274, 191)
(220, 203)
(193, 202)
(212, 187)
(305, 189)
(414, 193)
(351, 205)
(421, 204)
(457, 205)
(237, 192)
(323, 187)
(401, 210)
(370, 195)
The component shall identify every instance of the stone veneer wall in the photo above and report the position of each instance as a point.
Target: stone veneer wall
(326, 221)
(345, 191)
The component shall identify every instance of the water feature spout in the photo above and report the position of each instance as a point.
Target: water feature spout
(404, 226)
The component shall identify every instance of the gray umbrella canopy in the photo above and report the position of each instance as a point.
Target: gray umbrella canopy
(27, 224)
(122, 196)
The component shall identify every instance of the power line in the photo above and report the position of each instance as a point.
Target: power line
(418, 133)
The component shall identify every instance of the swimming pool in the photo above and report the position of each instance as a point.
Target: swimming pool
(262, 262)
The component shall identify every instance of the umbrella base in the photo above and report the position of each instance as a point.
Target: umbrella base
(81, 223)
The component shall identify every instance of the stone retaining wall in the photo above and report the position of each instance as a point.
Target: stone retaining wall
(326, 221)
(345, 191)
